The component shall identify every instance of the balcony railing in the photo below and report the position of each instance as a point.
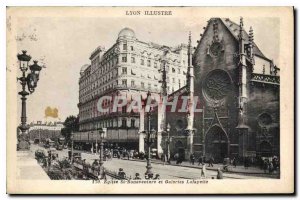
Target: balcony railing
(263, 78)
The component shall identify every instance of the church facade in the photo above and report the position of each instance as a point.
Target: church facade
(238, 90)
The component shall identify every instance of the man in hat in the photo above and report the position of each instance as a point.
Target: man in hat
(157, 177)
(137, 176)
(121, 173)
(220, 174)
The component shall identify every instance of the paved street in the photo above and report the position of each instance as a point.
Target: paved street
(165, 171)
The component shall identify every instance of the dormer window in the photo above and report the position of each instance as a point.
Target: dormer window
(124, 46)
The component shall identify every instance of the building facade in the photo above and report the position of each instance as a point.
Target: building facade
(45, 130)
(238, 89)
(129, 68)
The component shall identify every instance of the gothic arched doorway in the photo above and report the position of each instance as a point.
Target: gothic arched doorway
(266, 149)
(180, 149)
(216, 144)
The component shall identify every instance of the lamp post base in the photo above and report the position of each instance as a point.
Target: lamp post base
(149, 172)
(23, 146)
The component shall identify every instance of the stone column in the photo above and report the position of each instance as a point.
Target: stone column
(161, 117)
(243, 143)
(190, 141)
(141, 131)
(142, 142)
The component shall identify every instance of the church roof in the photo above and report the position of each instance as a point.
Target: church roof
(234, 30)
(179, 92)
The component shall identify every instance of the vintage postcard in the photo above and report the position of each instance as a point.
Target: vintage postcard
(150, 100)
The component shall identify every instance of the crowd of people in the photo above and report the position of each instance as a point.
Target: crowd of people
(122, 175)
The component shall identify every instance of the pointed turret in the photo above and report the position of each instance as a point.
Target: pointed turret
(242, 114)
(251, 43)
(242, 74)
(190, 85)
(189, 72)
(241, 35)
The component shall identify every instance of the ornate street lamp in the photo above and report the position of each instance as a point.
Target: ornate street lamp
(72, 145)
(169, 140)
(102, 136)
(149, 140)
(31, 81)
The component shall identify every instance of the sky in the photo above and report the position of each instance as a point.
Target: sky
(64, 44)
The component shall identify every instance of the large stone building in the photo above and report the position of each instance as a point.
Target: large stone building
(45, 130)
(129, 68)
(238, 89)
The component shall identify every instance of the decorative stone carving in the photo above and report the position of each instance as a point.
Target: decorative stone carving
(264, 119)
(216, 86)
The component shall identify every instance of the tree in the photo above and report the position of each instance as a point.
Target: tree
(71, 124)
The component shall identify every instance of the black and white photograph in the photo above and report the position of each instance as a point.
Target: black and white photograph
(110, 100)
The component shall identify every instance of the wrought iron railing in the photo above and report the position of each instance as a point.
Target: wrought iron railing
(265, 78)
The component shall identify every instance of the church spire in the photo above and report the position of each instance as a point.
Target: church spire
(190, 86)
(241, 36)
(190, 72)
(251, 43)
(242, 98)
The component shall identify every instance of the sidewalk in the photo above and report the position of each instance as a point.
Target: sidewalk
(237, 169)
(28, 168)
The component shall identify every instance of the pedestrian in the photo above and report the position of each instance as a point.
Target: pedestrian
(121, 174)
(192, 158)
(70, 155)
(128, 155)
(234, 162)
(200, 160)
(176, 157)
(271, 167)
(265, 165)
(157, 177)
(246, 162)
(211, 161)
(137, 176)
(150, 176)
(220, 174)
(203, 170)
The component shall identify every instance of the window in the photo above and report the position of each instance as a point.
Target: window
(124, 82)
(142, 84)
(131, 48)
(173, 80)
(124, 124)
(124, 58)
(148, 63)
(155, 65)
(173, 70)
(142, 61)
(149, 85)
(178, 71)
(132, 59)
(132, 123)
(124, 46)
(124, 70)
(124, 109)
(132, 83)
